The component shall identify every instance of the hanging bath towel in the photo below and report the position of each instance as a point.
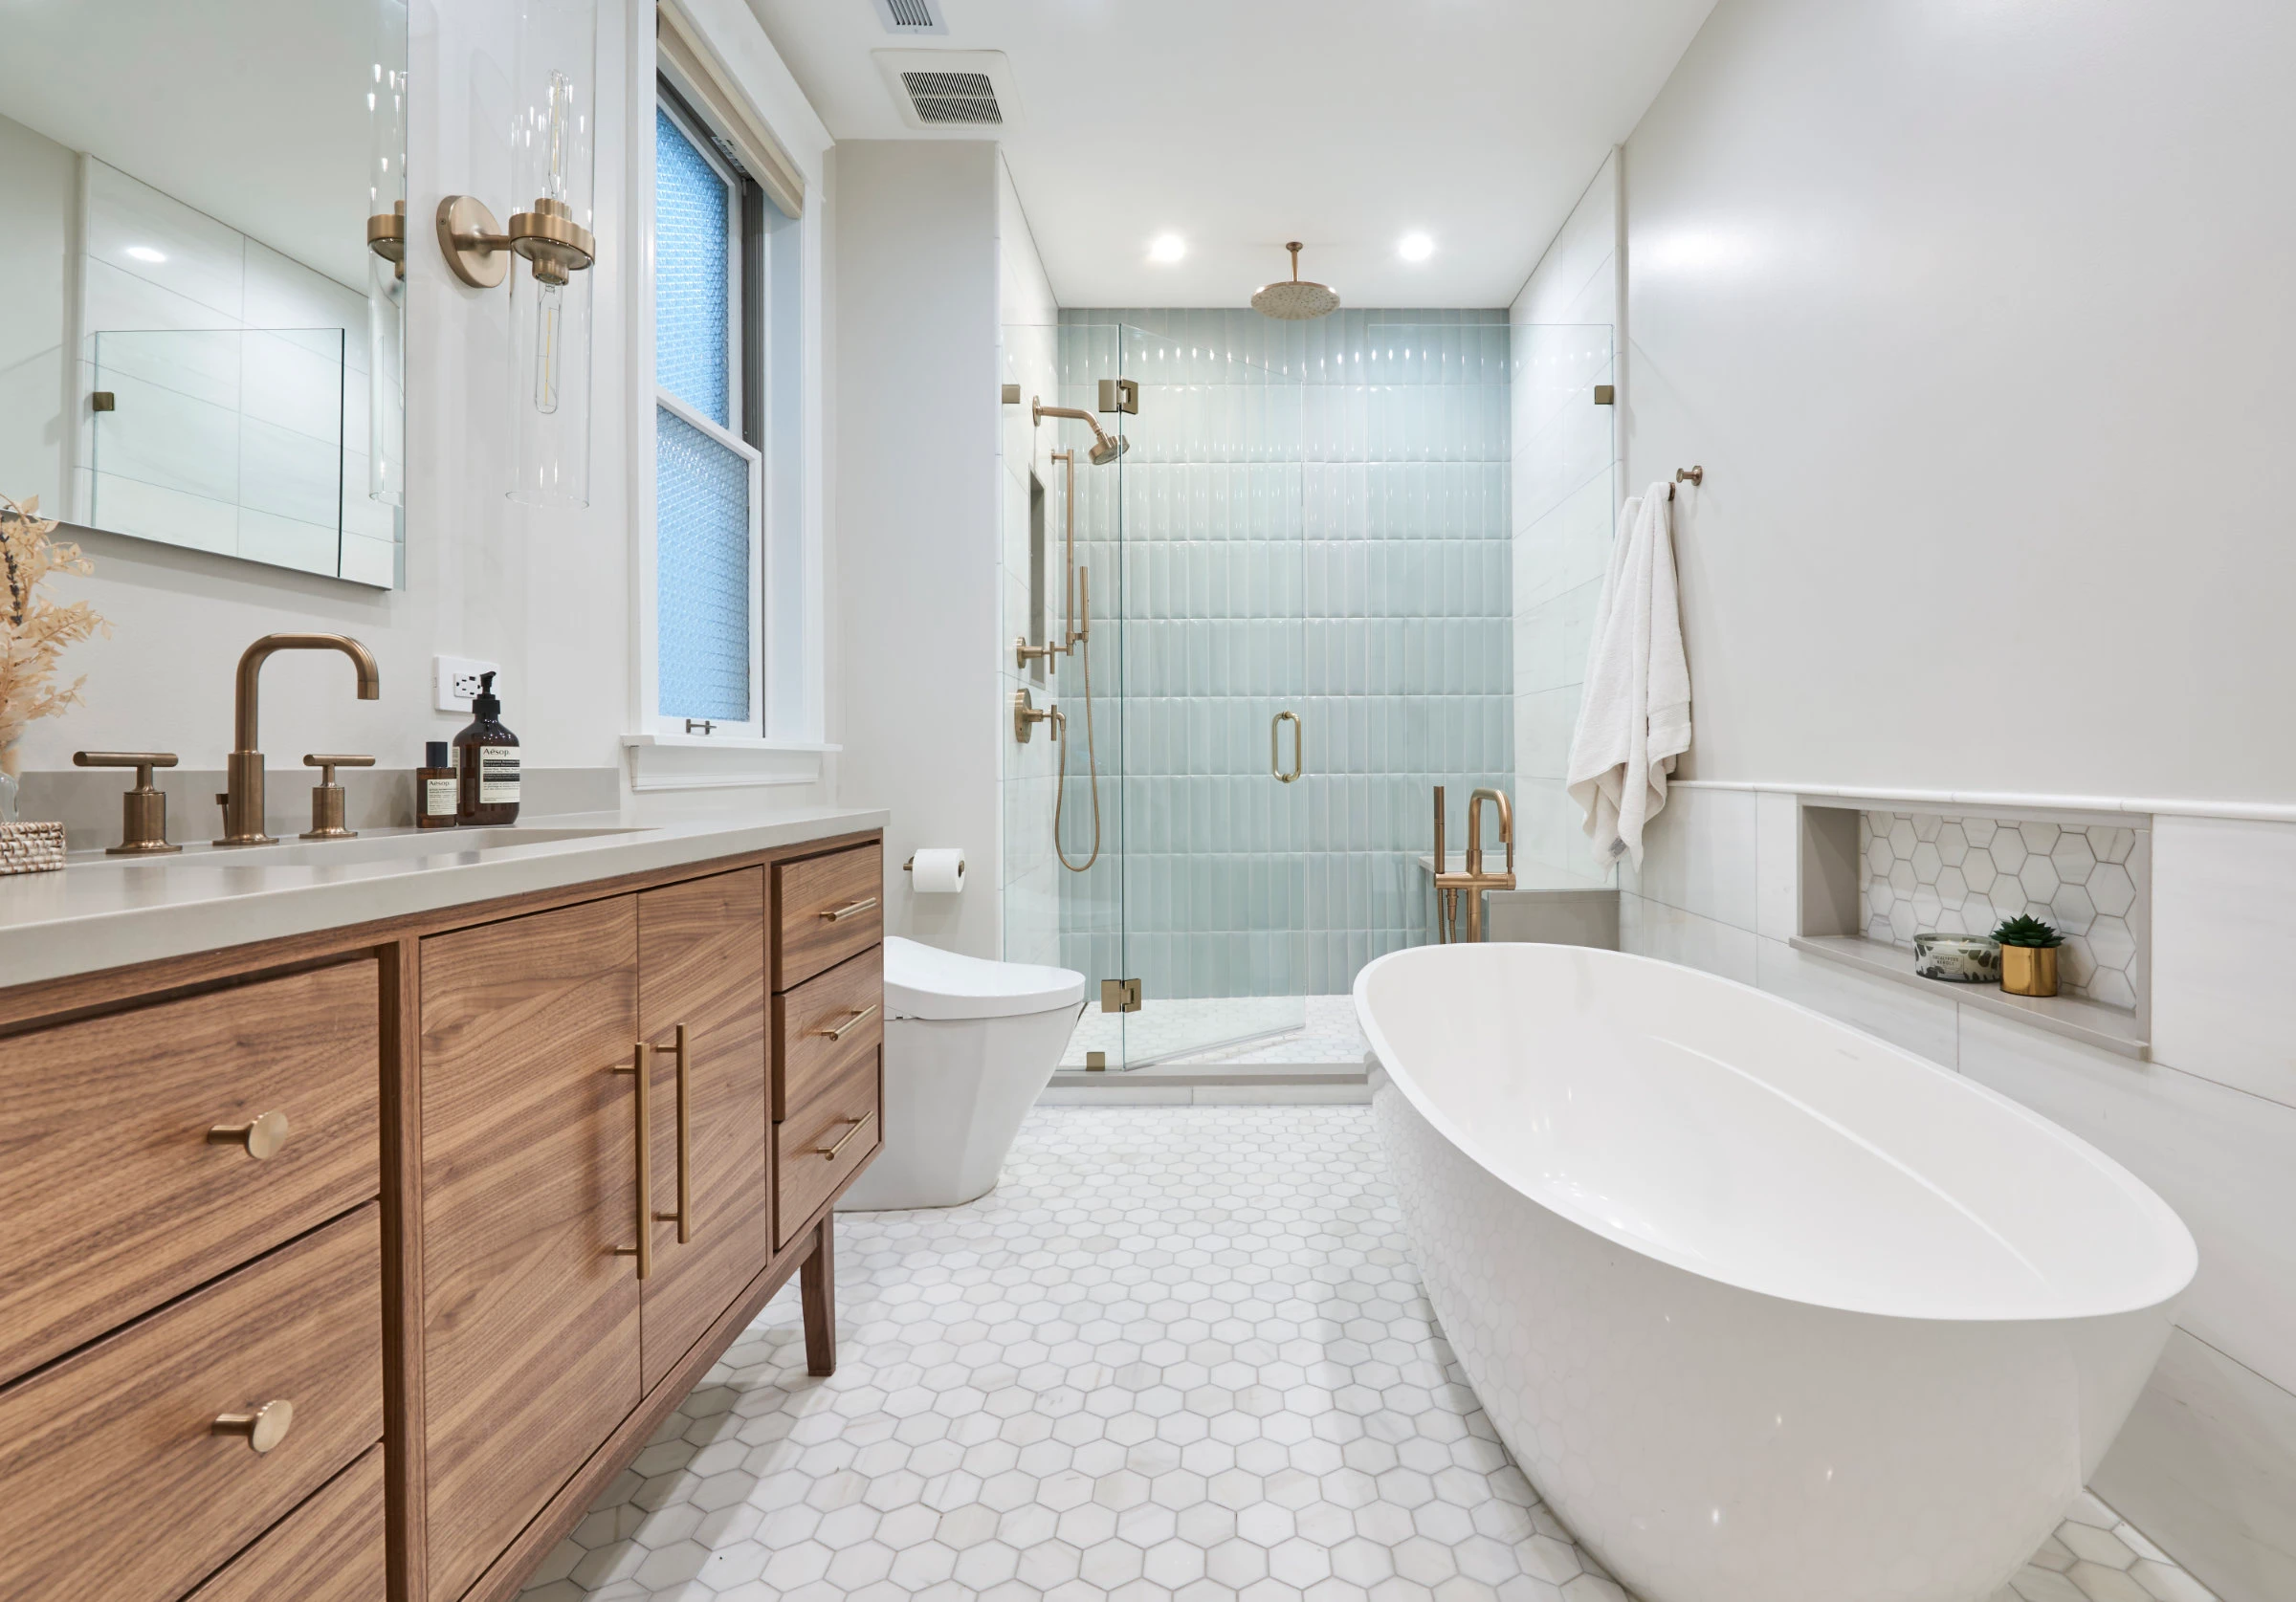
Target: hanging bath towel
(1634, 712)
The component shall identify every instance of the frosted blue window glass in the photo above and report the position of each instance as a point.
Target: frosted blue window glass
(702, 589)
(691, 294)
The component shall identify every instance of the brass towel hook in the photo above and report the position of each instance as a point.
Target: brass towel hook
(1691, 475)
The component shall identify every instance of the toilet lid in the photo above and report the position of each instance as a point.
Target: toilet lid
(925, 981)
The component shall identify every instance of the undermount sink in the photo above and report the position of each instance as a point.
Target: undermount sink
(394, 846)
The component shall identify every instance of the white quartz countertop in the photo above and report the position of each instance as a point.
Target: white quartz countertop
(104, 911)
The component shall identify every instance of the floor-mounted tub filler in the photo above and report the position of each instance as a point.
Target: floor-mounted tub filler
(1767, 1310)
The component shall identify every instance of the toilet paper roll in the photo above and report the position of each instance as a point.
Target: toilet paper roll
(937, 870)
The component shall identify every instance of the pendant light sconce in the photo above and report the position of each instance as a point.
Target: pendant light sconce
(553, 158)
(387, 269)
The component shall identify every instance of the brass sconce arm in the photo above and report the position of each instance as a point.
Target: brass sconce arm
(477, 247)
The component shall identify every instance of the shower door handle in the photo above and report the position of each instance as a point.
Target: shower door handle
(1275, 747)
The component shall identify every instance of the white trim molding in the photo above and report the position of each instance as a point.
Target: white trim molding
(729, 762)
(2254, 812)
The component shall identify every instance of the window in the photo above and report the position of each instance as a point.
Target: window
(708, 467)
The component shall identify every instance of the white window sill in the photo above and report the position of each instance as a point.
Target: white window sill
(720, 762)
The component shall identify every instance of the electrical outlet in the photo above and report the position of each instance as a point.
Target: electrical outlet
(455, 680)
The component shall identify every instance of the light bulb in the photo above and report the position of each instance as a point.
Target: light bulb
(1168, 247)
(548, 320)
(1415, 247)
(561, 108)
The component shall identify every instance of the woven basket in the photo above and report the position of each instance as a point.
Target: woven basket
(31, 848)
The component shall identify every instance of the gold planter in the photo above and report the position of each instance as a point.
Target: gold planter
(2029, 970)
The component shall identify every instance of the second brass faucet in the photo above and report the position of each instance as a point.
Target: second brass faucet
(1451, 889)
(242, 801)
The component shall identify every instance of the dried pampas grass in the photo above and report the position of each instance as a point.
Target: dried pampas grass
(34, 628)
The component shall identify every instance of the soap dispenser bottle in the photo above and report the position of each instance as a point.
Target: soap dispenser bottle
(486, 764)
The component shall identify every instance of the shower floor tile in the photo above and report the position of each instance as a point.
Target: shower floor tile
(1239, 1030)
(1180, 1355)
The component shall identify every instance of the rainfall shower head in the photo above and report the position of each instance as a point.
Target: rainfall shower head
(1105, 448)
(1297, 300)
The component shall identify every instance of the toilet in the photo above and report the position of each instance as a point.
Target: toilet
(969, 1045)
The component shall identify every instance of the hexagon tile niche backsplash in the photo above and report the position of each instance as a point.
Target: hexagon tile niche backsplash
(1928, 873)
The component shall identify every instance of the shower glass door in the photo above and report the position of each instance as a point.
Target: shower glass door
(1213, 610)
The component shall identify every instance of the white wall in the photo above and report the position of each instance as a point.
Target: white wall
(1979, 318)
(547, 594)
(918, 471)
(1565, 497)
(1028, 321)
(39, 186)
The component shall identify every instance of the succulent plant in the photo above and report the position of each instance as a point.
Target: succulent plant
(2025, 931)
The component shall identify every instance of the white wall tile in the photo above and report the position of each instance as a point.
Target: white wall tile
(1651, 928)
(1919, 1021)
(2207, 1467)
(1699, 854)
(1778, 865)
(2224, 952)
(2224, 1160)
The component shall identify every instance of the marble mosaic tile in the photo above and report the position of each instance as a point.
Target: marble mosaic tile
(1180, 1355)
(1929, 872)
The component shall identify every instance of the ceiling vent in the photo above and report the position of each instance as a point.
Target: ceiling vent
(912, 17)
(943, 97)
(950, 91)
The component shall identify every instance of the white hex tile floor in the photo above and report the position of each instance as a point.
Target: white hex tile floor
(1180, 1355)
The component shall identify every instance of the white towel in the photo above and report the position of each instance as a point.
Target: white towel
(1634, 712)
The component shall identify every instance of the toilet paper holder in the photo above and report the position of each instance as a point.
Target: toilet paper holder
(910, 867)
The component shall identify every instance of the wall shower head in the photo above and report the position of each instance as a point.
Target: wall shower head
(1105, 450)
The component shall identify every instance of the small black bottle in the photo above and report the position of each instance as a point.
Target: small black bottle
(435, 801)
(486, 764)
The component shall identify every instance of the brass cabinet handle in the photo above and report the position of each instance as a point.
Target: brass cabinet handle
(828, 1154)
(840, 914)
(643, 1251)
(849, 1025)
(262, 1138)
(264, 1428)
(1276, 737)
(683, 1218)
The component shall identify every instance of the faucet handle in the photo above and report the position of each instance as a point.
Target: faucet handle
(326, 796)
(143, 809)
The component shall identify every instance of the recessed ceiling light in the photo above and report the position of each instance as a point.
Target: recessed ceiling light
(1415, 247)
(145, 252)
(1167, 247)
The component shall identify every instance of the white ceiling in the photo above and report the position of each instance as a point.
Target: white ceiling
(1240, 124)
(253, 111)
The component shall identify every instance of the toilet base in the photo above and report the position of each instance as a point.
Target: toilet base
(956, 1092)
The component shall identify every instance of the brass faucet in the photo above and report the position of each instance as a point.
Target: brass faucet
(1450, 887)
(242, 801)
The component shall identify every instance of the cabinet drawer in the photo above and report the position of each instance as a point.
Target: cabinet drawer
(329, 1550)
(826, 1025)
(825, 911)
(114, 1482)
(823, 1141)
(113, 1196)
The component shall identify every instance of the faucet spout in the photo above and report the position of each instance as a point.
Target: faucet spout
(1474, 829)
(242, 800)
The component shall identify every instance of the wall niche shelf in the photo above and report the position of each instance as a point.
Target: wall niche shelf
(1874, 872)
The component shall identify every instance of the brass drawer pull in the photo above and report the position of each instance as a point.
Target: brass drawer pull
(643, 1251)
(840, 914)
(683, 1218)
(830, 1153)
(262, 1138)
(264, 1428)
(849, 1025)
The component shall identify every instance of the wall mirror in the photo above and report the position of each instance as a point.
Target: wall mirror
(202, 207)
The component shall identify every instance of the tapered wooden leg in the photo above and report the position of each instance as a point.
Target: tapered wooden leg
(817, 1283)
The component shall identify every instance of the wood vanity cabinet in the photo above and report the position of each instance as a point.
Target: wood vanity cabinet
(432, 1246)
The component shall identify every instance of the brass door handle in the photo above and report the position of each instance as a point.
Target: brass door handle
(840, 914)
(264, 1428)
(642, 1070)
(262, 1138)
(830, 1153)
(683, 1218)
(849, 1025)
(1275, 746)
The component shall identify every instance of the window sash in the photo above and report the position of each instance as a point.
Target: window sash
(737, 308)
(753, 725)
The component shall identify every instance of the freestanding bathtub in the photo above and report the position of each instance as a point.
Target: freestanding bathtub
(1766, 1309)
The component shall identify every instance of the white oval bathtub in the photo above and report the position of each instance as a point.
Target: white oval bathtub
(1767, 1310)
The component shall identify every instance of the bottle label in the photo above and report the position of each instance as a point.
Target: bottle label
(497, 776)
(439, 797)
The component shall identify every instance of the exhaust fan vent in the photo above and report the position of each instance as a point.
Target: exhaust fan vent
(912, 17)
(940, 98)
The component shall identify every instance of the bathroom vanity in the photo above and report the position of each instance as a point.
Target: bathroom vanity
(367, 1222)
